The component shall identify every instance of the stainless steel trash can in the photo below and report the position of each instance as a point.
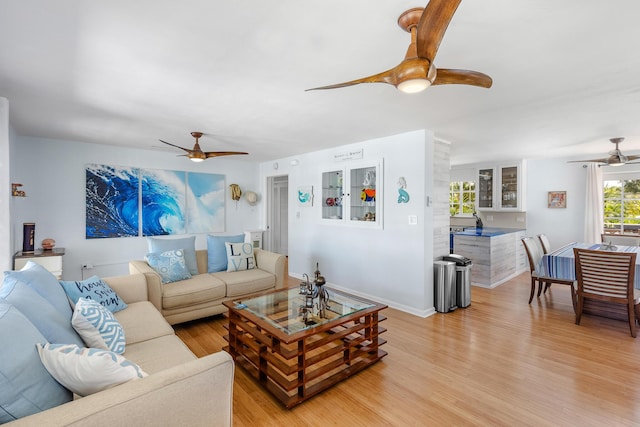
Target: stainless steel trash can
(444, 284)
(463, 285)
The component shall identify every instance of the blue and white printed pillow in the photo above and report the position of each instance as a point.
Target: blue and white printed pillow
(95, 289)
(85, 371)
(186, 244)
(240, 256)
(170, 265)
(97, 326)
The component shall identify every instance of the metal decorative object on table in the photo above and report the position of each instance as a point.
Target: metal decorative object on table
(312, 291)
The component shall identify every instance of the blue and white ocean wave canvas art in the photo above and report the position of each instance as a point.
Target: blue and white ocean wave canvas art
(205, 203)
(163, 202)
(111, 201)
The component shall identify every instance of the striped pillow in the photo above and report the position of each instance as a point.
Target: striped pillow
(97, 326)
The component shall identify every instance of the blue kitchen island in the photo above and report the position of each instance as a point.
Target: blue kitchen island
(497, 253)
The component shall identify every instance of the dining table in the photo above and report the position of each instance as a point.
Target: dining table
(560, 264)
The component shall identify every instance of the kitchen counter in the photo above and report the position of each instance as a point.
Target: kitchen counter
(487, 231)
(497, 253)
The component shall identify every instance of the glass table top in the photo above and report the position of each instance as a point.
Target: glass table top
(282, 309)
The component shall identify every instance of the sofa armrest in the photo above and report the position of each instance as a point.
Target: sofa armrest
(196, 393)
(271, 262)
(154, 282)
(132, 288)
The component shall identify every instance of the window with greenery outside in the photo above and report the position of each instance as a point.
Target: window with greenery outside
(462, 198)
(622, 206)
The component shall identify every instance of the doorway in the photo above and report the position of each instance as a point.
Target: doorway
(277, 237)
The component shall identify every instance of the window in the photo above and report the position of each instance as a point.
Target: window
(622, 206)
(462, 198)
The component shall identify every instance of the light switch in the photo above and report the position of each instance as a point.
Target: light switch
(413, 219)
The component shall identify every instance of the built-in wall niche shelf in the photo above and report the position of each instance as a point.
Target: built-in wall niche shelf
(15, 191)
(352, 194)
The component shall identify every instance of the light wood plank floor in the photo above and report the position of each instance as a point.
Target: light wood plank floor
(499, 362)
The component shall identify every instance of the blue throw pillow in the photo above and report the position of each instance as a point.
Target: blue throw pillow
(54, 326)
(170, 265)
(27, 387)
(217, 251)
(44, 283)
(187, 244)
(95, 289)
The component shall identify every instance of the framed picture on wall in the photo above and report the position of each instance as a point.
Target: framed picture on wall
(557, 199)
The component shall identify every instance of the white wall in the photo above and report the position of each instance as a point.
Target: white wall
(562, 226)
(393, 265)
(5, 188)
(53, 174)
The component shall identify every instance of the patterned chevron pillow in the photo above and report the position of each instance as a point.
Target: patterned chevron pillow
(87, 370)
(97, 326)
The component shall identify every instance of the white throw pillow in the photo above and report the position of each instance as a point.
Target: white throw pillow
(240, 256)
(87, 370)
(97, 326)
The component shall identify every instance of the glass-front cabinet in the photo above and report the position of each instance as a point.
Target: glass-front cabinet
(509, 187)
(485, 188)
(353, 194)
(501, 187)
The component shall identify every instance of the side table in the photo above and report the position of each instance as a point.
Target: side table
(49, 259)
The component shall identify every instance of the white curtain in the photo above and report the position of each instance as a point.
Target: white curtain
(594, 205)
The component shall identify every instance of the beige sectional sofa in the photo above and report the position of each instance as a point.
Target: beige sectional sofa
(203, 294)
(181, 390)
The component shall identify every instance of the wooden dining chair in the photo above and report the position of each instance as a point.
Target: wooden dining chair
(620, 239)
(544, 241)
(607, 276)
(533, 247)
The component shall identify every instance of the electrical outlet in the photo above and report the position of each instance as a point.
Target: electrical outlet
(87, 266)
(520, 219)
(489, 217)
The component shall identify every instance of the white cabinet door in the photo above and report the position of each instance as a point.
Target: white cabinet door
(501, 187)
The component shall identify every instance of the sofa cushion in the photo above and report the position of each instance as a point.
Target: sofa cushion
(187, 244)
(87, 370)
(240, 256)
(44, 283)
(54, 326)
(97, 326)
(25, 385)
(200, 288)
(217, 252)
(159, 354)
(170, 265)
(95, 289)
(142, 321)
(246, 282)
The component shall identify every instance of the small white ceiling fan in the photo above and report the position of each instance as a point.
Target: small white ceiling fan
(616, 158)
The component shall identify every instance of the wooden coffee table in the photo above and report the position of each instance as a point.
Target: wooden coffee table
(294, 359)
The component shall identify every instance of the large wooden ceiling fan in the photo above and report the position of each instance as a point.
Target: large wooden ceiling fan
(417, 71)
(616, 158)
(197, 155)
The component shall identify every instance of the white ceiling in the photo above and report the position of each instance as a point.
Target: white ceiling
(127, 73)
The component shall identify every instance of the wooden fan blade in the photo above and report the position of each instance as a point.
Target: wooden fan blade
(174, 145)
(222, 153)
(633, 157)
(388, 77)
(432, 26)
(462, 77)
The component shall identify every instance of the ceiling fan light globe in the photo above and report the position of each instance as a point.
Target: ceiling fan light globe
(197, 159)
(413, 85)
